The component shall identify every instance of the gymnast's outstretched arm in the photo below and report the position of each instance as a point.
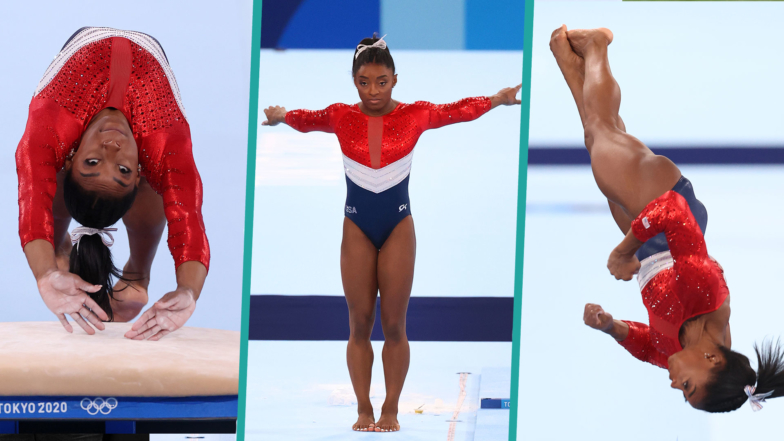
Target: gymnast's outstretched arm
(434, 116)
(306, 120)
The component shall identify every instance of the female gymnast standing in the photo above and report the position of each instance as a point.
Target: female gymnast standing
(377, 137)
(107, 139)
(682, 287)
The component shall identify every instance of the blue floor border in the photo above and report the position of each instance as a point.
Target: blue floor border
(320, 317)
(729, 155)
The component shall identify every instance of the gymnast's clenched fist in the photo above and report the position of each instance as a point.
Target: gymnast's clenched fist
(597, 318)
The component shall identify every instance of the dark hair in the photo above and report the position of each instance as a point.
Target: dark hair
(726, 393)
(372, 55)
(92, 260)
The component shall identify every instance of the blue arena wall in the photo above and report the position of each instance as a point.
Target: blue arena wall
(409, 24)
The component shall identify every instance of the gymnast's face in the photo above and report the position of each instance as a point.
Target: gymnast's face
(107, 159)
(691, 370)
(374, 83)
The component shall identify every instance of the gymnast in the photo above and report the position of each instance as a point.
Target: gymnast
(377, 137)
(107, 139)
(682, 286)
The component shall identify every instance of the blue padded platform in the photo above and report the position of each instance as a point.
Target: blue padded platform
(117, 408)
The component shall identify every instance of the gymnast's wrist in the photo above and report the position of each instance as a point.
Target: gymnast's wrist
(629, 245)
(188, 290)
(496, 100)
(42, 274)
(619, 330)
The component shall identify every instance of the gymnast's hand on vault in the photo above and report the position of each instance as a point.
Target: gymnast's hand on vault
(66, 293)
(275, 115)
(166, 316)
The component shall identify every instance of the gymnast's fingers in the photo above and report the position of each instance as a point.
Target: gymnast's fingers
(146, 326)
(148, 315)
(64, 322)
(97, 310)
(92, 318)
(167, 304)
(80, 321)
(84, 286)
(148, 333)
(160, 335)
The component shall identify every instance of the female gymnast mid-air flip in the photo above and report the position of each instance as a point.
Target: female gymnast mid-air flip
(377, 137)
(682, 287)
(107, 139)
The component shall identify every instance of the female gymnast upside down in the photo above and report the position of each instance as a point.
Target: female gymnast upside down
(682, 287)
(107, 139)
(377, 137)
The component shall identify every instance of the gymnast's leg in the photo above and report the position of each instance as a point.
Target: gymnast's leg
(626, 171)
(144, 222)
(395, 278)
(573, 69)
(358, 260)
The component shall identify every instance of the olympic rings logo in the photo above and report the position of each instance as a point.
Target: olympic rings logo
(101, 405)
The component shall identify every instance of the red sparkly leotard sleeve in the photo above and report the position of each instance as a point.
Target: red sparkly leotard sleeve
(433, 116)
(638, 343)
(315, 120)
(179, 183)
(670, 213)
(49, 133)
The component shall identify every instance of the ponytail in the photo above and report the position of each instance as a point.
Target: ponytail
(726, 392)
(90, 258)
(92, 261)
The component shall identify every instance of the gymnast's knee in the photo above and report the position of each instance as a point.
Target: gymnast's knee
(394, 330)
(361, 325)
(597, 127)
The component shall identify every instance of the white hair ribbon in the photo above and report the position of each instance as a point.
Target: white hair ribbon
(381, 44)
(78, 232)
(755, 400)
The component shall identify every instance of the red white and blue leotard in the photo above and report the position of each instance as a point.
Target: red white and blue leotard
(676, 285)
(100, 68)
(377, 154)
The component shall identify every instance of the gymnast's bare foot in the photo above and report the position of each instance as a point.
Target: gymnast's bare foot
(366, 421)
(571, 64)
(582, 40)
(388, 421)
(130, 297)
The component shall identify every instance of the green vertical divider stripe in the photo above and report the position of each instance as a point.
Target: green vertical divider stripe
(250, 185)
(522, 183)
